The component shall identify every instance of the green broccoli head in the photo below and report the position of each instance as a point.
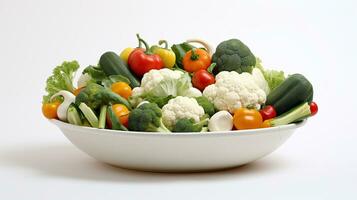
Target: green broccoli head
(94, 96)
(233, 55)
(189, 125)
(147, 117)
(207, 106)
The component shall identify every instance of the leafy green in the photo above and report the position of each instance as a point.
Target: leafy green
(160, 101)
(273, 77)
(96, 73)
(233, 55)
(61, 79)
(108, 81)
(207, 106)
(147, 117)
(173, 87)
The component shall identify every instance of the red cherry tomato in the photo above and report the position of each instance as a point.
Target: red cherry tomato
(268, 112)
(313, 108)
(202, 78)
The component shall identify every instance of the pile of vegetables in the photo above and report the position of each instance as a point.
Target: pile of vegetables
(182, 88)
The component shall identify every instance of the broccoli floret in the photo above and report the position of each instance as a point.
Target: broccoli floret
(147, 117)
(206, 105)
(233, 55)
(94, 96)
(189, 125)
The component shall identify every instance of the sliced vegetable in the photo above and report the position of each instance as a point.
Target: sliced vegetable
(245, 118)
(73, 116)
(49, 110)
(61, 79)
(166, 54)
(68, 99)
(195, 60)
(112, 64)
(295, 90)
(102, 116)
(221, 121)
(143, 60)
(89, 115)
(121, 88)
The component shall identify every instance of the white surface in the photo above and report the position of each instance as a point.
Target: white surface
(317, 39)
(177, 152)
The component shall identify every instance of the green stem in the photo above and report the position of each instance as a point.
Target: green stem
(298, 113)
(194, 55)
(102, 116)
(164, 42)
(147, 47)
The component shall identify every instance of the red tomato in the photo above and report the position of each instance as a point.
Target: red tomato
(268, 112)
(202, 78)
(313, 108)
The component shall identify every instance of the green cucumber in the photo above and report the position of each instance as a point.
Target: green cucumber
(295, 90)
(112, 64)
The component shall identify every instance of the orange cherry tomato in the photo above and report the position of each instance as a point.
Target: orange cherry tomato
(77, 91)
(196, 59)
(122, 88)
(122, 112)
(245, 118)
(49, 110)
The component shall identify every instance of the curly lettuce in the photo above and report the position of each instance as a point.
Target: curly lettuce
(61, 79)
(273, 77)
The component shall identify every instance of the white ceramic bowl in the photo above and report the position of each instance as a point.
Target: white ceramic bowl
(177, 152)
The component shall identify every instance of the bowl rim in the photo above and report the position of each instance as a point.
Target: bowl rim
(91, 130)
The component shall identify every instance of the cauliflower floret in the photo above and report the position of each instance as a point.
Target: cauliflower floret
(233, 90)
(154, 77)
(179, 108)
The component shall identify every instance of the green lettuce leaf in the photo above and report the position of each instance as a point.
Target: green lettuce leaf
(61, 79)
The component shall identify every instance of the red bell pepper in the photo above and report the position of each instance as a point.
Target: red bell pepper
(142, 60)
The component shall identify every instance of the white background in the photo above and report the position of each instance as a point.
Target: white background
(315, 38)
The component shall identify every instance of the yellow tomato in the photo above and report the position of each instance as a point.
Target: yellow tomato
(125, 54)
(245, 118)
(121, 112)
(49, 110)
(121, 88)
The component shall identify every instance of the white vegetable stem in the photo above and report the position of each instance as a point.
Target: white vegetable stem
(221, 121)
(203, 43)
(68, 98)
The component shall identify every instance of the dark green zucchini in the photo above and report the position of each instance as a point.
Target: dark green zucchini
(112, 64)
(295, 90)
